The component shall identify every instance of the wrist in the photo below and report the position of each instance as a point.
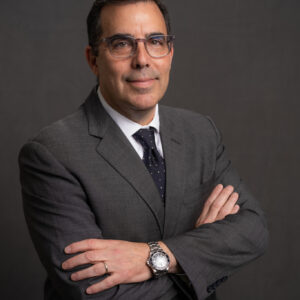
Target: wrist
(174, 267)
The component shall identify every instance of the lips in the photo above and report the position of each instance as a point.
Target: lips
(141, 82)
(141, 79)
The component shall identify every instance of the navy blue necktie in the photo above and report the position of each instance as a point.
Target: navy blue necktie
(152, 159)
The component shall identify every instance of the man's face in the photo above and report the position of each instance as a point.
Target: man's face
(137, 83)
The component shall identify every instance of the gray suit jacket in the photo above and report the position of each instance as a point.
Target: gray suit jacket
(82, 179)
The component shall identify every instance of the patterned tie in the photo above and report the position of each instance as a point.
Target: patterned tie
(152, 159)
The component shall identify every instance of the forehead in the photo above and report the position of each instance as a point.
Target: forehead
(137, 19)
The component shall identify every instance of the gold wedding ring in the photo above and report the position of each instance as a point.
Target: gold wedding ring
(106, 267)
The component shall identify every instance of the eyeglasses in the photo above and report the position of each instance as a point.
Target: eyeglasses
(124, 46)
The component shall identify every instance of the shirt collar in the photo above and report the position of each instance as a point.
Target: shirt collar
(128, 126)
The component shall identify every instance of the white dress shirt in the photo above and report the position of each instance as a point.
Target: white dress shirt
(129, 127)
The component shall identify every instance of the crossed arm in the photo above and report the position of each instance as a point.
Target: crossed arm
(58, 214)
(126, 261)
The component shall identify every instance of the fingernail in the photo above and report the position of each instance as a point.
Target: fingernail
(74, 276)
(89, 291)
(68, 249)
(230, 187)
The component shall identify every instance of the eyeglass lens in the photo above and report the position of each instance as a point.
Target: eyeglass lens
(124, 46)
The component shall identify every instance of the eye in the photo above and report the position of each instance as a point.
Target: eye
(120, 43)
(157, 41)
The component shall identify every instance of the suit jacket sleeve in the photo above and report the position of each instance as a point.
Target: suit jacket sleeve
(210, 253)
(57, 212)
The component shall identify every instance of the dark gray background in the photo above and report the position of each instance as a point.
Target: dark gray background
(235, 60)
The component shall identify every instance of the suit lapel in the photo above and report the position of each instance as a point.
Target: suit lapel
(118, 152)
(173, 147)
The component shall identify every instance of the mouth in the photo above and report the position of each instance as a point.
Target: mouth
(142, 82)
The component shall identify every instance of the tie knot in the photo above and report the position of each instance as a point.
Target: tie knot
(146, 138)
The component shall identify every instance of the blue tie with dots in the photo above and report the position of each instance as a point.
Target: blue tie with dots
(152, 159)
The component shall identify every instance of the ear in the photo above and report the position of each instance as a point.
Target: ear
(171, 54)
(91, 60)
(172, 51)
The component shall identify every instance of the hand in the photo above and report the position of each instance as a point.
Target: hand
(220, 203)
(126, 262)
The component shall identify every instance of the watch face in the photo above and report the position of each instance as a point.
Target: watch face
(160, 261)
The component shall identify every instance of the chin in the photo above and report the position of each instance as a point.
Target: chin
(144, 103)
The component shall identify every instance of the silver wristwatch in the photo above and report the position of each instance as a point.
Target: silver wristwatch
(158, 261)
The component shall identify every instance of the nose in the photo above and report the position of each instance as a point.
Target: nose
(141, 59)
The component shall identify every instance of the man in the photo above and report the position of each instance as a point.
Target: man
(126, 199)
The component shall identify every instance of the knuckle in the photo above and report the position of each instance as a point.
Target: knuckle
(91, 243)
(216, 205)
(112, 281)
(89, 256)
(209, 202)
(219, 217)
(117, 252)
(207, 221)
(224, 212)
(98, 269)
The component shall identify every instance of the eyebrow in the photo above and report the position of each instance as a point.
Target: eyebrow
(155, 33)
(120, 35)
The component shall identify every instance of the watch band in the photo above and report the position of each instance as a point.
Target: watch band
(154, 247)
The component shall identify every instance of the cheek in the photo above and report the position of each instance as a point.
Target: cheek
(111, 80)
(165, 73)
(110, 71)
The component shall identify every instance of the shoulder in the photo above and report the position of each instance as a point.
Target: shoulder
(190, 121)
(60, 138)
(71, 128)
(64, 130)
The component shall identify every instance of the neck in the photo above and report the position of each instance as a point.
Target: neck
(141, 117)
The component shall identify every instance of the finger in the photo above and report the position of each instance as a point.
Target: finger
(235, 209)
(88, 257)
(93, 271)
(228, 206)
(214, 194)
(84, 245)
(218, 204)
(105, 284)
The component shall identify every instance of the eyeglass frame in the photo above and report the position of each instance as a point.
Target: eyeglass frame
(108, 41)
